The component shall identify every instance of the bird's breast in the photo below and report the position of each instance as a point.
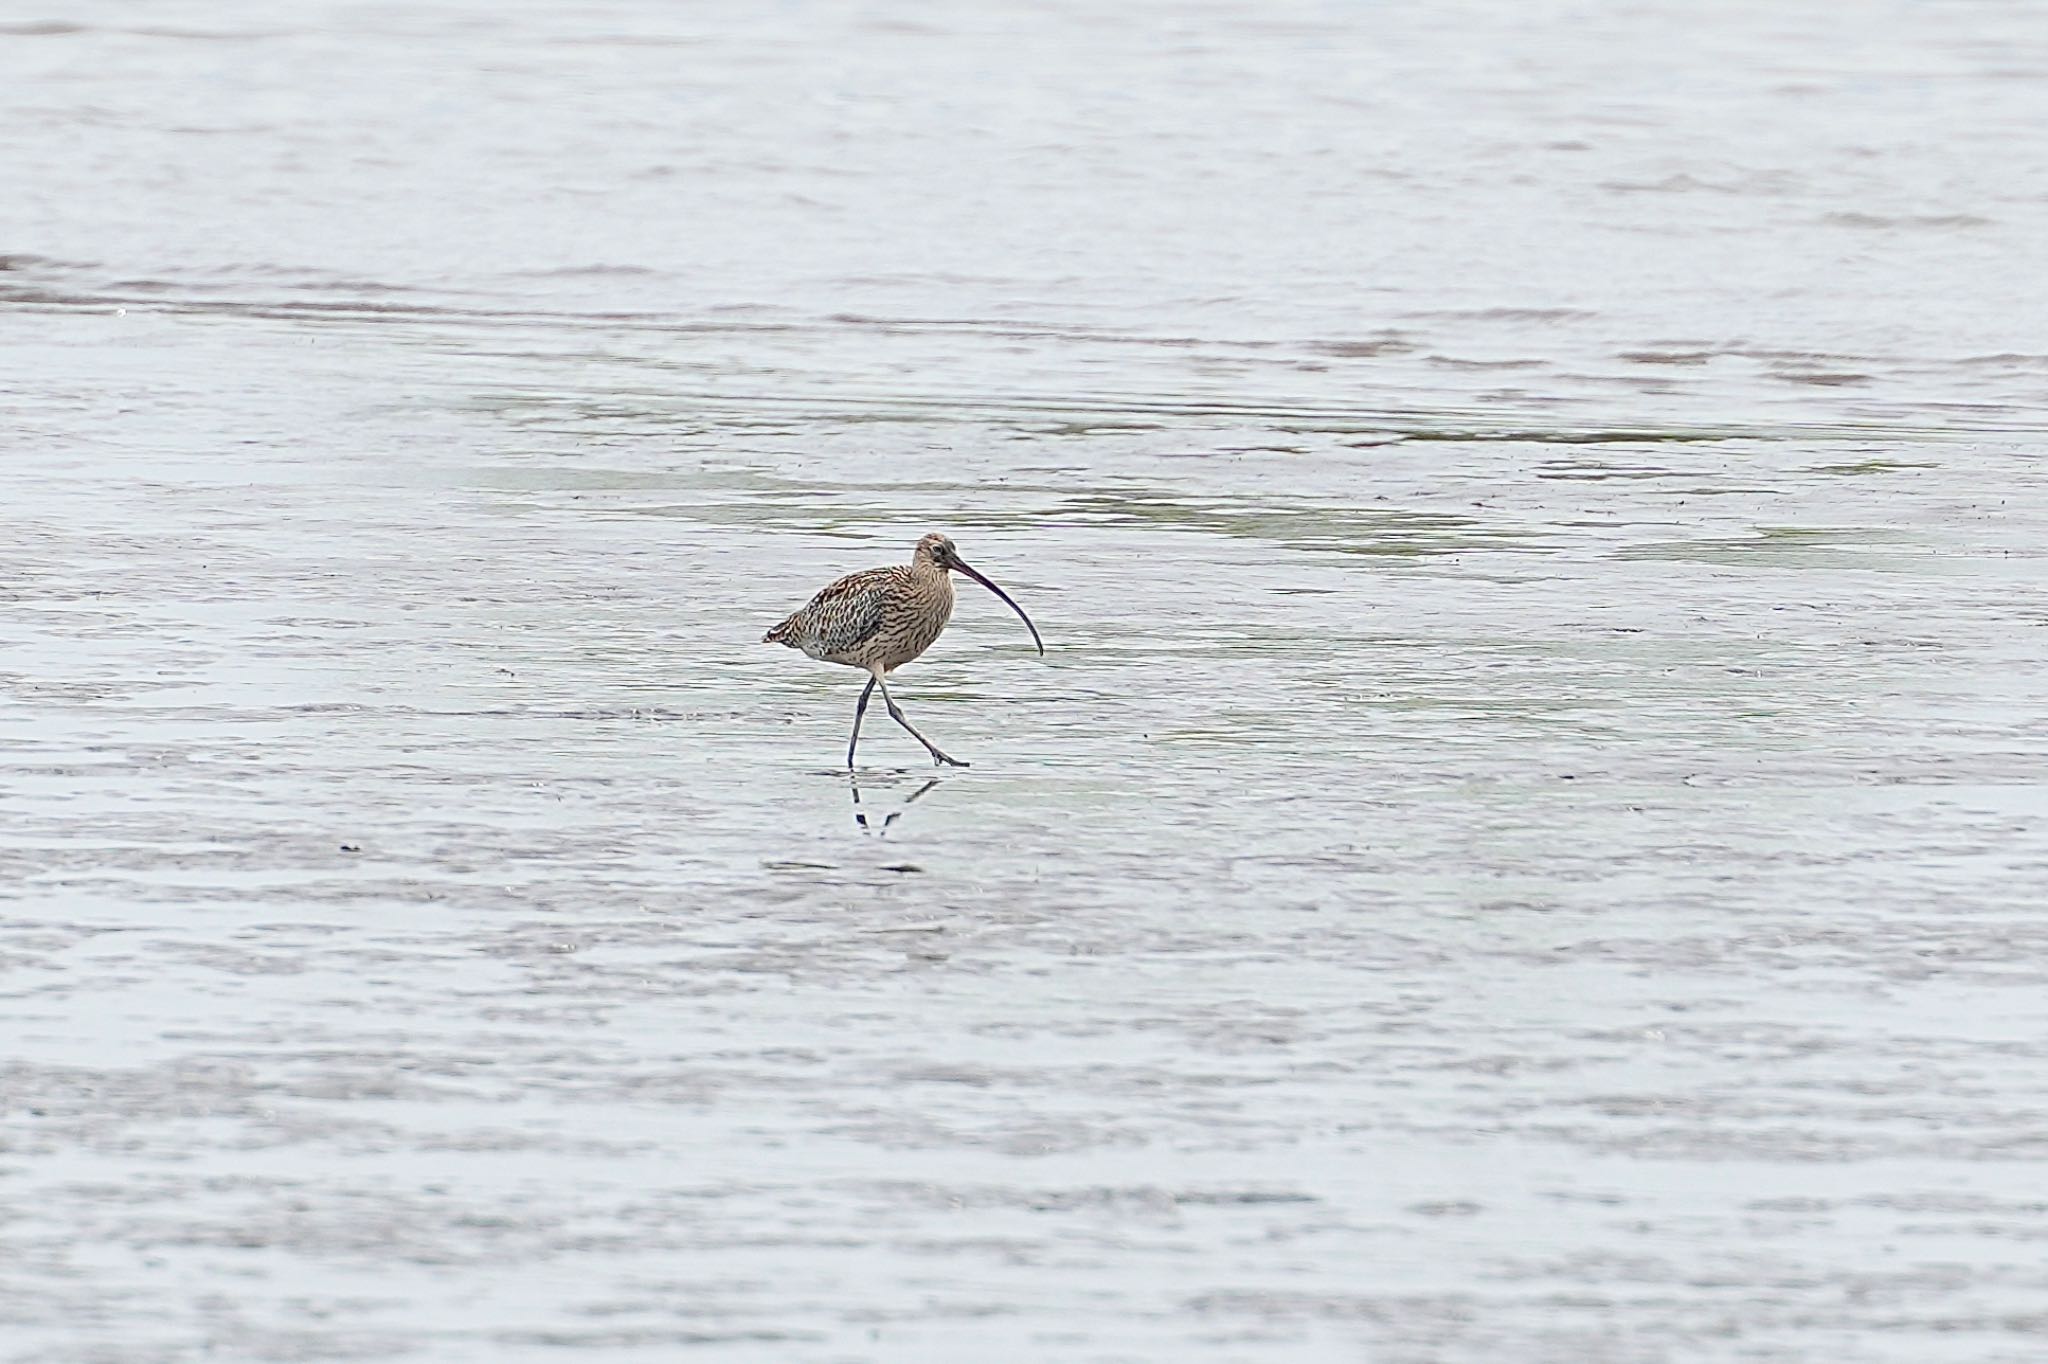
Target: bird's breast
(921, 615)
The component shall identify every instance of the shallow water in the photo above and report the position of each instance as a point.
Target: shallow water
(1526, 843)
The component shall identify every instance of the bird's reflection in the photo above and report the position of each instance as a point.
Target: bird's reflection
(880, 828)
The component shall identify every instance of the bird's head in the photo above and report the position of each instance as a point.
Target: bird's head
(938, 549)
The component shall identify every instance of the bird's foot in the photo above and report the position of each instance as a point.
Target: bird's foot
(946, 760)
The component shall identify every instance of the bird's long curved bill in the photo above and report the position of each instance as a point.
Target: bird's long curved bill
(1006, 601)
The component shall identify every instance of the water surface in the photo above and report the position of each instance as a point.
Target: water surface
(1526, 843)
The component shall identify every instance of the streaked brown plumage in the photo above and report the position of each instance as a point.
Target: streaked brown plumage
(882, 618)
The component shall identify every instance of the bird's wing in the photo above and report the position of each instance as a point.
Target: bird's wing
(849, 612)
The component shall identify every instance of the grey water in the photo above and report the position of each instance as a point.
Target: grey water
(1526, 844)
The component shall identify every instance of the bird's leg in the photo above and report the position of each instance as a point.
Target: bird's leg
(895, 713)
(858, 711)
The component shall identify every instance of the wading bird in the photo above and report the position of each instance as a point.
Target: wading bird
(880, 619)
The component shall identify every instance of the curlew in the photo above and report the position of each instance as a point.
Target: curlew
(880, 619)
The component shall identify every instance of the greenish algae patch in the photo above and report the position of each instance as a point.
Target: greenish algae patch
(1872, 466)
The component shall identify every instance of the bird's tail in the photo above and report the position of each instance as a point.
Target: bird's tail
(782, 634)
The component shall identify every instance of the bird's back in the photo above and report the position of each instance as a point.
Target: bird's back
(844, 615)
(881, 616)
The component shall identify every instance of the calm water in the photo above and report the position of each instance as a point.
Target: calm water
(1526, 846)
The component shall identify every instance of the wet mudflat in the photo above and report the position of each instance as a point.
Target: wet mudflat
(1526, 843)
